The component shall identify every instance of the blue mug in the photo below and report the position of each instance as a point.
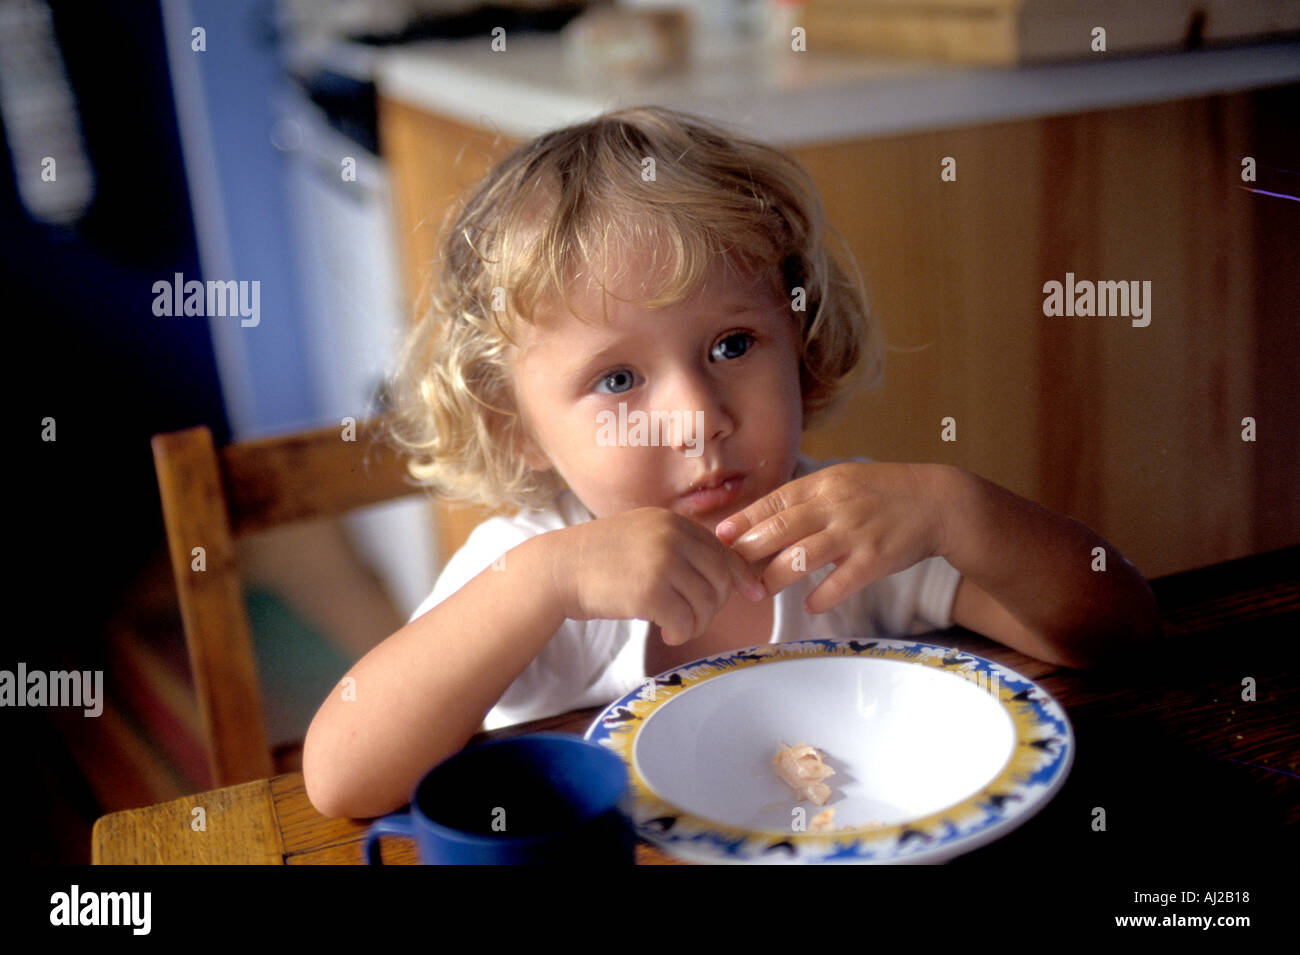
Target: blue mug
(544, 799)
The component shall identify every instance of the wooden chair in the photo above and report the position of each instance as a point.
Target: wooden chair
(212, 497)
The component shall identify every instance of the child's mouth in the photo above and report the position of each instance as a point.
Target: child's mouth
(712, 498)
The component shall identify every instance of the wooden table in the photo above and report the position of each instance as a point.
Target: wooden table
(1167, 746)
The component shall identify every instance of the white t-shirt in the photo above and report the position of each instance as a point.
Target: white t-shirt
(593, 662)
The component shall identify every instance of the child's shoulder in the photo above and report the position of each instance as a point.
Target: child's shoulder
(492, 538)
(564, 510)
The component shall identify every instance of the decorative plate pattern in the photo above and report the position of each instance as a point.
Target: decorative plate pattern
(1040, 759)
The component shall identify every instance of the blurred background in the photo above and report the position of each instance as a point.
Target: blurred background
(314, 146)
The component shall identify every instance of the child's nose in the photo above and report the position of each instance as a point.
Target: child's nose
(704, 409)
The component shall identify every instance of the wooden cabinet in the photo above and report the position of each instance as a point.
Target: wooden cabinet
(1136, 431)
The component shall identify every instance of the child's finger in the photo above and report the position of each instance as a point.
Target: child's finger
(803, 558)
(838, 586)
(747, 580)
(733, 572)
(718, 562)
(702, 595)
(676, 619)
(770, 536)
(782, 499)
(731, 528)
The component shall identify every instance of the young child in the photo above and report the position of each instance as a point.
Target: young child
(635, 320)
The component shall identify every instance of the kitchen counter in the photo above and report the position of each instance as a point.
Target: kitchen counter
(1123, 170)
(790, 98)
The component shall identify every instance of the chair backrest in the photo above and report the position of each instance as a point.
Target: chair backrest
(210, 498)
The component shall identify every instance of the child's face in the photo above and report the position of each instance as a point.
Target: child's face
(726, 361)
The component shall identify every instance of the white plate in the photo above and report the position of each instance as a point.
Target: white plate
(935, 751)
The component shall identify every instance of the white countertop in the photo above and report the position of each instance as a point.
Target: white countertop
(789, 98)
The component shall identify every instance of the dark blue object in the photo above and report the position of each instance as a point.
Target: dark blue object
(478, 21)
(544, 799)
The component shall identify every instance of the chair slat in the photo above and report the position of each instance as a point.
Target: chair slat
(212, 610)
(312, 474)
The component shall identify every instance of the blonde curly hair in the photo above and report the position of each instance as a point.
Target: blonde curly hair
(563, 205)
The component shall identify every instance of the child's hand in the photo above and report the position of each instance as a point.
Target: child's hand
(870, 520)
(650, 564)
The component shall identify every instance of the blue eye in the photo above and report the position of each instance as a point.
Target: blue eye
(621, 373)
(733, 337)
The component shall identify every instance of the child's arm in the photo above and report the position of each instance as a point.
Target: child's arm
(1028, 579)
(423, 692)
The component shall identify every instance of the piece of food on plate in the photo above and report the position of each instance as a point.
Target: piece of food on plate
(824, 821)
(801, 766)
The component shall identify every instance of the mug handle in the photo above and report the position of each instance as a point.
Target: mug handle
(397, 824)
